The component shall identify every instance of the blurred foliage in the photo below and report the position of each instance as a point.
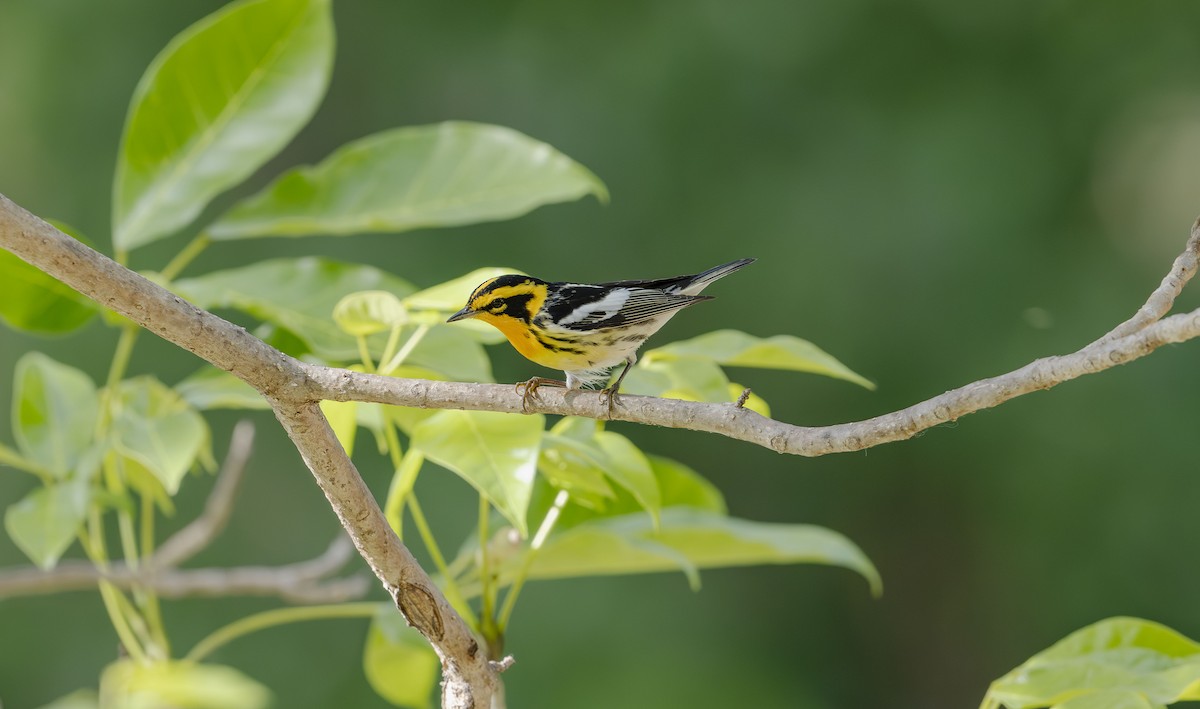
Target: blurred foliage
(936, 191)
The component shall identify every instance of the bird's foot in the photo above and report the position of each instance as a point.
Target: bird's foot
(609, 396)
(528, 390)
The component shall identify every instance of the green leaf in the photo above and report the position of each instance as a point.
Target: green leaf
(452, 352)
(681, 486)
(452, 295)
(431, 305)
(79, 699)
(154, 426)
(737, 349)
(497, 453)
(678, 485)
(626, 465)
(686, 378)
(36, 302)
(212, 388)
(1119, 660)
(131, 685)
(45, 522)
(222, 98)
(399, 663)
(54, 412)
(1109, 699)
(578, 453)
(409, 178)
(341, 417)
(369, 312)
(629, 544)
(571, 465)
(298, 295)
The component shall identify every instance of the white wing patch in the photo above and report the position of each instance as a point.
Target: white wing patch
(598, 310)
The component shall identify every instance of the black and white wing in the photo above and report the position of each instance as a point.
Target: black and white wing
(583, 307)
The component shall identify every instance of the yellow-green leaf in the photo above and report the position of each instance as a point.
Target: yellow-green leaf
(222, 98)
(453, 294)
(732, 348)
(629, 544)
(409, 178)
(342, 419)
(54, 412)
(497, 453)
(1117, 662)
(36, 302)
(399, 663)
(369, 312)
(153, 425)
(212, 388)
(131, 685)
(45, 522)
(686, 378)
(79, 699)
(298, 295)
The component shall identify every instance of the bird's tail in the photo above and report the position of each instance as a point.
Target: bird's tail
(701, 280)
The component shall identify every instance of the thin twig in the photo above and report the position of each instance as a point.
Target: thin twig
(300, 582)
(1160, 301)
(200, 532)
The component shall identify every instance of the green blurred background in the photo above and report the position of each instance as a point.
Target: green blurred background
(936, 191)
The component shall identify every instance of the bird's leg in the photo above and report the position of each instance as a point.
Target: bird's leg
(610, 392)
(530, 389)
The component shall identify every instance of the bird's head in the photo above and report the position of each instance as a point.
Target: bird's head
(504, 301)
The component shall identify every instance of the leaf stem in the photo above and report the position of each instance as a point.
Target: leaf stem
(390, 347)
(539, 538)
(403, 480)
(487, 612)
(409, 345)
(93, 545)
(116, 372)
(186, 256)
(13, 459)
(278, 616)
(364, 353)
(150, 605)
(449, 584)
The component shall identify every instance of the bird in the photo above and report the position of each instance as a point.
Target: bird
(584, 329)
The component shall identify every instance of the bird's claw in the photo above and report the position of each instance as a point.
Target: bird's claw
(530, 389)
(609, 396)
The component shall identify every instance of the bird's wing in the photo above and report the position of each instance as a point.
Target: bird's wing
(603, 307)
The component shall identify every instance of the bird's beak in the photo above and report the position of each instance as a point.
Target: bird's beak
(464, 313)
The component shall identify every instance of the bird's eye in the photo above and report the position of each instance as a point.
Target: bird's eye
(498, 305)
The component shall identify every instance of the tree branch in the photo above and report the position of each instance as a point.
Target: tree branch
(300, 582)
(293, 388)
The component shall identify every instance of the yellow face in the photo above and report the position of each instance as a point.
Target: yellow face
(509, 303)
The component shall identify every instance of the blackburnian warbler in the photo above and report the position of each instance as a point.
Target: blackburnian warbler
(584, 329)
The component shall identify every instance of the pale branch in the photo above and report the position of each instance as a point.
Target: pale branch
(1160, 301)
(468, 680)
(302, 582)
(293, 388)
(746, 425)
